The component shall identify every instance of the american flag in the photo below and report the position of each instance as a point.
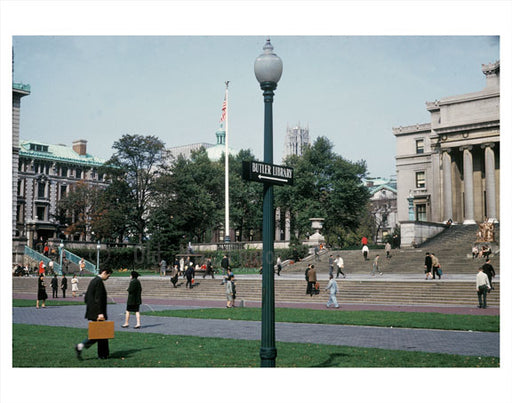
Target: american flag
(224, 106)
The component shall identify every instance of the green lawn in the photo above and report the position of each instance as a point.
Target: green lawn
(24, 303)
(423, 320)
(46, 346)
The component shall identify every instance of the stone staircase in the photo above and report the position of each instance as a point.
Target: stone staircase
(402, 284)
(452, 247)
(370, 291)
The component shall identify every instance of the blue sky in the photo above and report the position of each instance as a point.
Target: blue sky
(351, 89)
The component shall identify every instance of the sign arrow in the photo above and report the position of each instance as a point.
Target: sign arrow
(270, 178)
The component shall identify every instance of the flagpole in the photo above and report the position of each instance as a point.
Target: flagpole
(227, 237)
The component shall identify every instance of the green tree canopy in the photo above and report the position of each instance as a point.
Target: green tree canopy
(326, 186)
(138, 160)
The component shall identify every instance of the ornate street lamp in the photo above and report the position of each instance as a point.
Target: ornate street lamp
(268, 68)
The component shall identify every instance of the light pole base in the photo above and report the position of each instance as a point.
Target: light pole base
(268, 357)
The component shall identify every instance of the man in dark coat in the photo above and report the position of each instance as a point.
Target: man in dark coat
(189, 274)
(225, 264)
(96, 310)
(428, 265)
(55, 286)
(64, 285)
(209, 269)
(489, 270)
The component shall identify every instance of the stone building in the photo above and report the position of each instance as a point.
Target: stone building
(45, 174)
(18, 91)
(383, 205)
(449, 169)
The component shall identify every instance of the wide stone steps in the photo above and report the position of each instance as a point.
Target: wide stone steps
(432, 292)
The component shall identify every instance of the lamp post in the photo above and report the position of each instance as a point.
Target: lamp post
(61, 246)
(268, 68)
(98, 257)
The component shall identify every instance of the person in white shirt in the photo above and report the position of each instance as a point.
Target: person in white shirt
(482, 286)
(339, 265)
(333, 289)
(365, 251)
(279, 265)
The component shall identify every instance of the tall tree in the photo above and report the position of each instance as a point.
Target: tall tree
(246, 198)
(139, 160)
(192, 193)
(77, 209)
(325, 185)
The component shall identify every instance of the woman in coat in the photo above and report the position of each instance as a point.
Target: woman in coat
(134, 300)
(74, 285)
(41, 291)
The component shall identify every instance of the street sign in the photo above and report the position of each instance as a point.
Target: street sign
(267, 173)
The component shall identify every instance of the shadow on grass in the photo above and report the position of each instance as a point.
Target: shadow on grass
(118, 354)
(332, 361)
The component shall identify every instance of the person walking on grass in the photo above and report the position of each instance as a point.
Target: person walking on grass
(96, 310)
(134, 300)
(41, 292)
(375, 266)
(229, 291)
(333, 289)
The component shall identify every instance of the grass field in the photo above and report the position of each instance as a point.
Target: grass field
(45, 346)
(423, 320)
(24, 303)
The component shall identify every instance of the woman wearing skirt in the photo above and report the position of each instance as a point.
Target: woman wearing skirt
(41, 291)
(134, 300)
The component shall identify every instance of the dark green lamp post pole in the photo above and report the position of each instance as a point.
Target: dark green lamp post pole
(268, 68)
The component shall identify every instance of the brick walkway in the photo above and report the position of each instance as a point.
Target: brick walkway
(434, 341)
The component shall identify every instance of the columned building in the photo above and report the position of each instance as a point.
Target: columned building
(449, 169)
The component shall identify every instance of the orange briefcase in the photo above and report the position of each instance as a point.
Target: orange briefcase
(103, 329)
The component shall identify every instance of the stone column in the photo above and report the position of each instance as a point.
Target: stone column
(287, 225)
(277, 229)
(447, 185)
(469, 216)
(490, 181)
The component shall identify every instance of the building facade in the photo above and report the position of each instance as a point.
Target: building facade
(46, 173)
(18, 91)
(449, 169)
(383, 206)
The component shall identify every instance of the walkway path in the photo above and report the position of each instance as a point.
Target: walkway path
(434, 341)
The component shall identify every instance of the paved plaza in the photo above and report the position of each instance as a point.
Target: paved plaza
(433, 341)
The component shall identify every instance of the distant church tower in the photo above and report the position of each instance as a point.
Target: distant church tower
(297, 139)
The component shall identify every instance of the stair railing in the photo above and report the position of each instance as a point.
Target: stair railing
(76, 260)
(37, 257)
